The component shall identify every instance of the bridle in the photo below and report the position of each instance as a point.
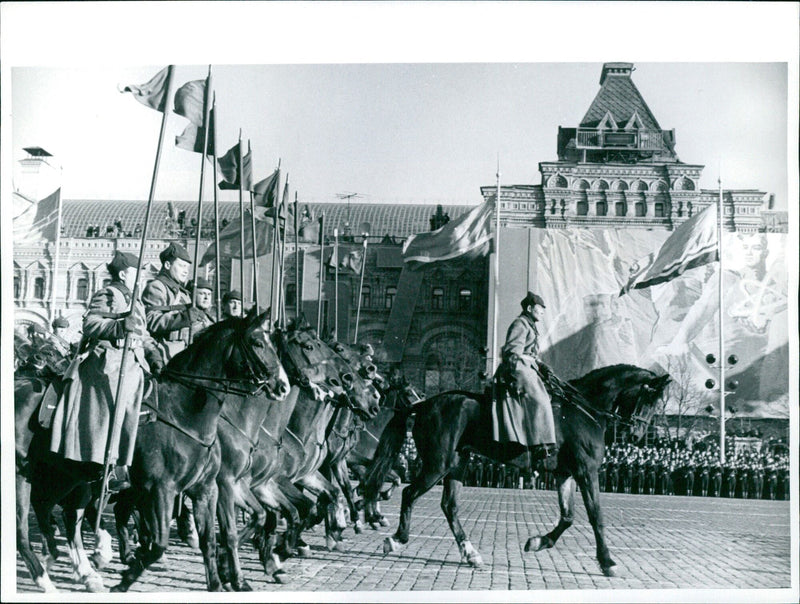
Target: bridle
(254, 368)
(294, 362)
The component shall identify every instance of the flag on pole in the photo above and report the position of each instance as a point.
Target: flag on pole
(692, 244)
(152, 93)
(189, 100)
(230, 237)
(229, 168)
(39, 221)
(192, 137)
(265, 192)
(349, 259)
(470, 233)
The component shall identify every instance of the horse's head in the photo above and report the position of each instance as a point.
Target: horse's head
(310, 362)
(359, 377)
(398, 393)
(246, 353)
(638, 392)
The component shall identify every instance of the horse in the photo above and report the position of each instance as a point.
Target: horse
(36, 373)
(449, 424)
(179, 450)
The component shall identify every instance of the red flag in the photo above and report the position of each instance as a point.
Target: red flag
(229, 168)
(229, 240)
(265, 192)
(189, 100)
(153, 93)
(39, 221)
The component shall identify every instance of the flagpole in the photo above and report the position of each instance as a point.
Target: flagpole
(216, 221)
(296, 263)
(241, 218)
(496, 272)
(336, 283)
(112, 442)
(721, 331)
(56, 258)
(255, 252)
(321, 267)
(273, 305)
(361, 287)
(281, 276)
(206, 109)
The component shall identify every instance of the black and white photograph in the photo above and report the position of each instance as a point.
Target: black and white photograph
(400, 301)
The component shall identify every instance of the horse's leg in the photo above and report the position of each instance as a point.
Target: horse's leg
(31, 560)
(82, 568)
(587, 481)
(232, 495)
(339, 472)
(420, 484)
(123, 509)
(565, 485)
(103, 551)
(43, 508)
(452, 486)
(204, 502)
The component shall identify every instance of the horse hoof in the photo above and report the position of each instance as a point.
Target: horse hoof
(50, 563)
(304, 551)
(610, 571)
(339, 547)
(119, 588)
(358, 527)
(330, 543)
(390, 545)
(383, 521)
(94, 583)
(243, 586)
(280, 576)
(374, 526)
(99, 560)
(470, 555)
(46, 585)
(537, 544)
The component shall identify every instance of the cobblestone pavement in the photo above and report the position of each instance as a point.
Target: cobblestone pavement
(658, 542)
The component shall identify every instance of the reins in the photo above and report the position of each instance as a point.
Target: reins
(171, 424)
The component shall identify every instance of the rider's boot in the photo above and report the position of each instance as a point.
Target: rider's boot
(546, 454)
(119, 479)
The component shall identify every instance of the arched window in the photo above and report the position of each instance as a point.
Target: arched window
(601, 208)
(38, 288)
(391, 292)
(82, 288)
(464, 298)
(16, 287)
(366, 296)
(641, 209)
(620, 208)
(659, 209)
(437, 298)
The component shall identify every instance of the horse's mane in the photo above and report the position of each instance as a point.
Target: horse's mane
(211, 337)
(597, 376)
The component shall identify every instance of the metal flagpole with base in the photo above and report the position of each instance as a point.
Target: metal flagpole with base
(321, 271)
(361, 286)
(721, 332)
(112, 443)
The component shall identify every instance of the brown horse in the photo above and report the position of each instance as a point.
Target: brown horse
(179, 451)
(450, 424)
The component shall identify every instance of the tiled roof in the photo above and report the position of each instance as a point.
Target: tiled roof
(397, 220)
(619, 96)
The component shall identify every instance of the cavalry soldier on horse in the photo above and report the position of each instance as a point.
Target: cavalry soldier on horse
(86, 408)
(523, 413)
(202, 298)
(232, 304)
(168, 305)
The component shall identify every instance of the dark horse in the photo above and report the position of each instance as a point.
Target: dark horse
(179, 451)
(448, 425)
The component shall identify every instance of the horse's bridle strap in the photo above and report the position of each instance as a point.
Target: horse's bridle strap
(172, 424)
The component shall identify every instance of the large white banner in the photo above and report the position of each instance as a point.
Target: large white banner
(670, 326)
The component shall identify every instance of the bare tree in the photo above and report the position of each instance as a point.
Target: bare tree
(683, 396)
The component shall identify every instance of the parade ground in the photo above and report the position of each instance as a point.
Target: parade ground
(659, 543)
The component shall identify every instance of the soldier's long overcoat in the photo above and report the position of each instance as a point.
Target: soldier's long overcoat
(85, 411)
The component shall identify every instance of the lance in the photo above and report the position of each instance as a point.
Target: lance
(336, 284)
(241, 215)
(273, 309)
(255, 253)
(296, 263)
(216, 220)
(206, 109)
(112, 442)
(361, 286)
(281, 276)
(321, 267)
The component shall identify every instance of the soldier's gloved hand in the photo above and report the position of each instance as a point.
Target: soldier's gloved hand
(132, 325)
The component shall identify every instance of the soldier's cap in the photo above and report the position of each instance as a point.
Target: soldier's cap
(232, 295)
(173, 251)
(121, 261)
(532, 299)
(203, 283)
(60, 322)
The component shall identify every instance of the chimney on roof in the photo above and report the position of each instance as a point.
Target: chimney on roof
(616, 69)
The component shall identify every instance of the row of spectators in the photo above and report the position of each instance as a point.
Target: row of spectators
(665, 467)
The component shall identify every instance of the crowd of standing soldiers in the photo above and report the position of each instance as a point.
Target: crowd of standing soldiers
(665, 467)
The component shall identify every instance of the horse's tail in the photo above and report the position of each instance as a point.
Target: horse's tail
(386, 454)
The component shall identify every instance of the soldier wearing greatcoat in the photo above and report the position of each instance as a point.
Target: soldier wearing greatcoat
(202, 299)
(85, 411)
(523, 413)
